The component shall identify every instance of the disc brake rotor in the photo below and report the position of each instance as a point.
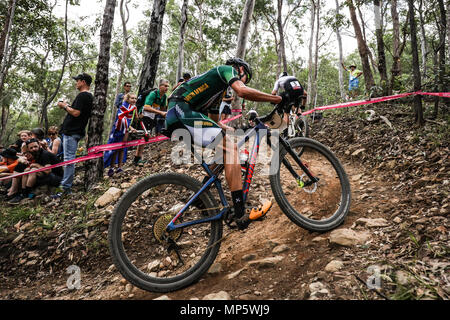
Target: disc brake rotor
(309, 189)
(159, 229)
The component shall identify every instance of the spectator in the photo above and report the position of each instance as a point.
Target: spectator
(9, 162)
(225, 106)
(353, 81)
(119, 98)
(186, 77)
(24, 135)
(119, 133)
(74, 127)
(24, 162)
(39, 134)
(155, 109)
(55, 144)
(51, 177)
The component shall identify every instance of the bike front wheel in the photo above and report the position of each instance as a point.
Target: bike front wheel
(144, 252)
(316, 205)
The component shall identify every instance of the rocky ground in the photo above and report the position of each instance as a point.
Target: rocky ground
(394, 243)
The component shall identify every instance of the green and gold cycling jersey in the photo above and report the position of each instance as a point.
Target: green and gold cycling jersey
(206, 90)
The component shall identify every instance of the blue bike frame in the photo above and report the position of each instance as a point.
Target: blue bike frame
(214, 179)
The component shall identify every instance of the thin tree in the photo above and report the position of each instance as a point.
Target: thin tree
(418, 111)
(380, 46)
(282, 47)
(124, 16)
(183, 25)
(310, 52)
(362, 47)
(242, 38)
(50, 97)
(153, 49)
(441, 81)
(244, 27)
(94, 168)
(397, 46)
(341, 56)
(5, 60)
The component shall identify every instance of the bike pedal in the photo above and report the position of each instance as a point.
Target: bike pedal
(260, 211)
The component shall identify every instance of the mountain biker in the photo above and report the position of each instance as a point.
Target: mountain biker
(291, 86)
(204, 92)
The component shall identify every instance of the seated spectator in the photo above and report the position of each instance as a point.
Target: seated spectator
(9, 162)
(24, 135)
(39, 134)
(119, 133)
(55, 145)
(51, 177)
(24, 162)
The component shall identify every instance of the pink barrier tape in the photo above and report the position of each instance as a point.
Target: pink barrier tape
(231, 119)
(80, 159)
(438, 94)
(121, 145)
(236, 110)
(357, 103)
(375, 100)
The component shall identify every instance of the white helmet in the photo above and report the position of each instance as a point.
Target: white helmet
(252, 114)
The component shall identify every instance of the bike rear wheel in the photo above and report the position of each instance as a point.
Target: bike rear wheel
(144, 253)
(319, 206)
(301, 127)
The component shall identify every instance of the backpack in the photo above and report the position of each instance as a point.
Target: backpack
(142, 96)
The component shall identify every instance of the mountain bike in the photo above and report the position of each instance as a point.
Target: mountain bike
(166, 230)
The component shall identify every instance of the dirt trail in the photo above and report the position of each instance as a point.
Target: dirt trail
(299, 261)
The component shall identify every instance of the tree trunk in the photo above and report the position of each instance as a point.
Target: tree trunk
(310, 53)
(124, 18)
(362, 48)
(48, 99)
(6, 30)
(153, 50)
(396, 47)
(316, 55)
(242, 41)
(282, 51)
(416, 67)
(5, 62)
(341, 55)
(243, 29)
(448, 31)
(183, 25)
(423, 42)
(94, 168)
(380, 46)
(442, 52)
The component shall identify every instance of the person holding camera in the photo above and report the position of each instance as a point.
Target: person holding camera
(74, 126)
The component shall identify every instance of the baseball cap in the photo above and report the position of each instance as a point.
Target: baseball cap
(9, 153)
(85, 77)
